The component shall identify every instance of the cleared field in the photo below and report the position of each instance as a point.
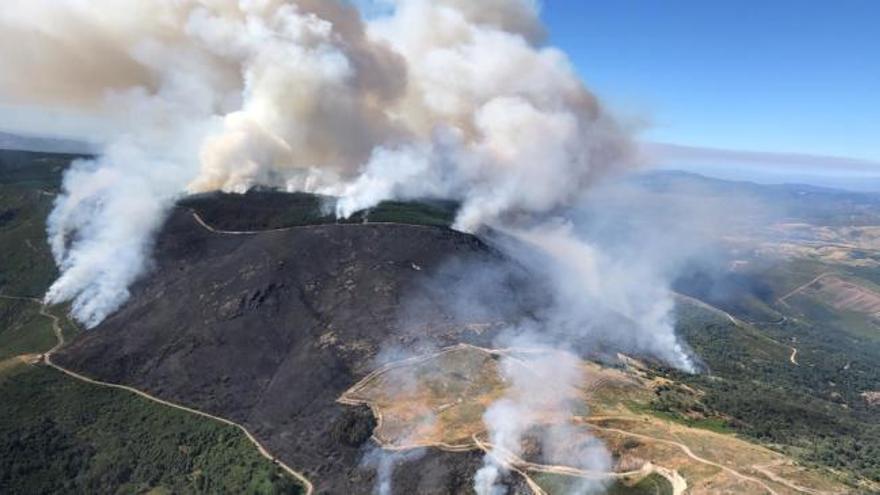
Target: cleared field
(439, 400)
(23, 330)
(854, 246)
(847, 304)
(710, 462)
(845, 295)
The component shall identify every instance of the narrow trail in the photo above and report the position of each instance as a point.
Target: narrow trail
(679, 483)
(509, 460)
(59, 335)
(515, 463)
(198, 218)
(687, 450)
(205, 225)
(522, 467)
(763, 469)
(710, 308)
(739, 323)
(799, 288)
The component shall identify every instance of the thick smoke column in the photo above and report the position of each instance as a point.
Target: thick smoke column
(592, 289)
(445, 99)
(505, 125)
(454, 99)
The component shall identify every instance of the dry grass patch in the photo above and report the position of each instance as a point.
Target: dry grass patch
(845, 295)
(440, 399)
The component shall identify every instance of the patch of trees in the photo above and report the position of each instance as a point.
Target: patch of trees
(813, 411)
(58, 435)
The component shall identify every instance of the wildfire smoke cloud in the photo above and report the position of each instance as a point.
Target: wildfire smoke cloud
(446, 98)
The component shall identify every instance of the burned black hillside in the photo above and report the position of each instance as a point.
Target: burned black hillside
(268, 329)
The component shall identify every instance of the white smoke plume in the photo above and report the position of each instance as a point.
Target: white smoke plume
(454, 99)
(590, 288)
(447, 98)
(385, 462)
(539, 389)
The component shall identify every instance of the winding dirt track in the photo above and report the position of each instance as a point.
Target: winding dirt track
(678, 482)
(47, 357)
(510, 461)
(515, 463)
(59, 335)
(761, 468)
(799, 288)
(684, 448)
(710, 308)
(741, 324)
(522, 467)
(205, 225)
(764, 469)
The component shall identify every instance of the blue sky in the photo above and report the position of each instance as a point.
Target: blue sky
(762, 75)
(785, 76)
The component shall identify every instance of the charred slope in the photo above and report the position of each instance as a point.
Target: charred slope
(268, 330)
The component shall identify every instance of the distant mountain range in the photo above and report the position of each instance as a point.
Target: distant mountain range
(767, 168)
(45, 144)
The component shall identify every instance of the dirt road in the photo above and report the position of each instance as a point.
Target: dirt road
(205, 225)
(710, 308)
(522, 467)
(59, 335)
(514, 463)
(684, 448)
(739, 323)
(799, 288)
(764, 469)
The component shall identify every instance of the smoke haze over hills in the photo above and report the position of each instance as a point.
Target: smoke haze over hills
(435, 99)
(429, 101)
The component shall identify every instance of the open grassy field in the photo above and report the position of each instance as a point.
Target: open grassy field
(23, 330)
(435, 401)
(841, 303)
(439, 400)
(845, 295)
(710, 462)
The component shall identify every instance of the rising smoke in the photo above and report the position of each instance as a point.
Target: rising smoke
(541, 388)
(439, 98)
(451, 99)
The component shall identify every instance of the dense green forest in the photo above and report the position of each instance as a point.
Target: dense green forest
(812, 410)
(59, 435)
